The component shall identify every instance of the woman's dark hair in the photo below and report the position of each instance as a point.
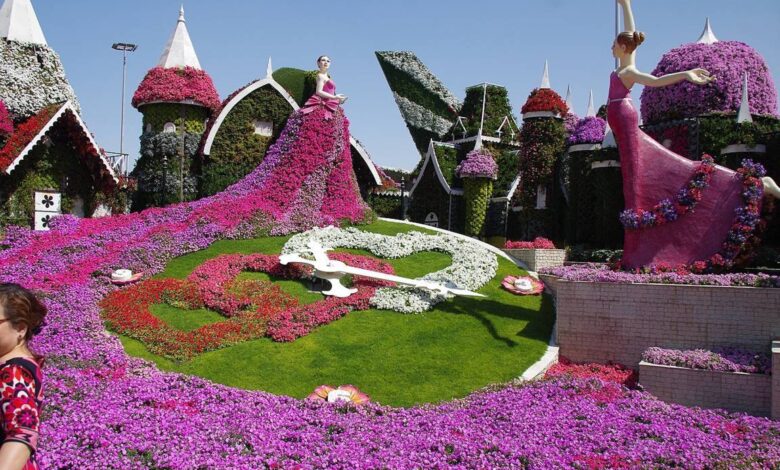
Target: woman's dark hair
(320, 58)
(631, 40)
(22, 308)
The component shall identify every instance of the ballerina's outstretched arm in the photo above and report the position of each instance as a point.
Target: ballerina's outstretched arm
(770, 187)
(632, 75)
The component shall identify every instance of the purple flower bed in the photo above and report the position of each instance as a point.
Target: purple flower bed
(589, 130)
(478, 164)
(603, 273)
(724, 359)
(727, 60)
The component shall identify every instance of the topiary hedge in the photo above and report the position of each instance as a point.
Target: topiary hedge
(159, 169)
(476, 193)
(236, 149)
(497, 107)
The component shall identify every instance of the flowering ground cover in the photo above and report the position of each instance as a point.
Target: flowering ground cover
(592, 272)
(459, 346)
(723, 359)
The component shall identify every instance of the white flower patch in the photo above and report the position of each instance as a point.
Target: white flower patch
(421, 117)
(472, 265)
(410, 64)
(31, 78)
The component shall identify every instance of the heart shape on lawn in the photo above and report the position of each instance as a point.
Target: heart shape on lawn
(252, 308)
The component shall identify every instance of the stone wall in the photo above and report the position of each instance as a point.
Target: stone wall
(601, 322)
(539, 258)
(733, 391)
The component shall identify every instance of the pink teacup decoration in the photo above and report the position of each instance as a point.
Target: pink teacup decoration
(523, 285)
(348, 393)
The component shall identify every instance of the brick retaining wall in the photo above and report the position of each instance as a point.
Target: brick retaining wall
(776, 380)
(733, 391)
(601, 322)
(538, 258)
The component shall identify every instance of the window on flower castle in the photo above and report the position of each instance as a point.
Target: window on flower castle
(264, 128)
(169, 127)
(432, 219)
(541, 197)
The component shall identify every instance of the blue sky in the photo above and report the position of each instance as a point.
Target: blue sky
(462, 42)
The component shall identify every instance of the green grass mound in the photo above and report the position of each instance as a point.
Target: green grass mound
(398, 359)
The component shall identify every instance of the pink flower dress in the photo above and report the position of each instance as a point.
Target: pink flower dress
(651, 174)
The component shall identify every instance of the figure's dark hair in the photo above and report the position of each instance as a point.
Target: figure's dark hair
(320, 58)
(631, 40)
(22, 308)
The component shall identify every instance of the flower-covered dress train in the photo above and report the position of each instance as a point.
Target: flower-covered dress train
(310, 180)
(678, 211)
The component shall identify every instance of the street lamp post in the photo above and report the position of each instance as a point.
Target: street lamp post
(403, 198)
(125, 48)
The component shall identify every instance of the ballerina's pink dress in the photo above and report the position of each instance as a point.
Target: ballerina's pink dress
(652, 173)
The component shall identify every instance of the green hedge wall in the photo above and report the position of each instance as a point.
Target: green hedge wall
(157, 114)
(237, 150)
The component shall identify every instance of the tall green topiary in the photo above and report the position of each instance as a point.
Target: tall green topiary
(478, 171)
(477, 192)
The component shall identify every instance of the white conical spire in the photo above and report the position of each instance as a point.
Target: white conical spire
(744, 107)
(609, 139)
(707, 36)
(19, 23)
(545, 77)
(179, 51)
(269, 70)
(591, 108)
(569, 102)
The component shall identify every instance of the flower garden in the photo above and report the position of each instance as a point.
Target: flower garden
(221, 354)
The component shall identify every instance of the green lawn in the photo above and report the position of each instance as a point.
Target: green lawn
(398, 359)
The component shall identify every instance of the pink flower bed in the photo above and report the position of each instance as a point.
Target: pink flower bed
(538, 243)
(175, 85)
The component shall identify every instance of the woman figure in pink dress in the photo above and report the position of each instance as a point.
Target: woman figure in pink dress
(678, 211)
(311, 181)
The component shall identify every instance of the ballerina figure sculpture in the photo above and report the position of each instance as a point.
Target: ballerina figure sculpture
(654, 176)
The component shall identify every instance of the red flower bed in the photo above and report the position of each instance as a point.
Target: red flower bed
(616, 373)
(24, 134)
(175, 85)
(545, 99)
(253, 309)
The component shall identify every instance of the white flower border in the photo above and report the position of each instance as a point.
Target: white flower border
(472, 266)
(421, 117)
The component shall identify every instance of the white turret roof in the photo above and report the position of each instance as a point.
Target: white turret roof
(19, 23)
(707, 36)
(569, 101)
(744, 107)
(179, 51)
(591, 108)
(545, 76)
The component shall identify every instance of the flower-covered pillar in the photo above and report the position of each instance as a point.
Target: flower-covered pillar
(176, 99)
(543, 140)
(478, 172)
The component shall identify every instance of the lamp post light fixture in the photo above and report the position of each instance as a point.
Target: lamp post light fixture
(125, 48)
